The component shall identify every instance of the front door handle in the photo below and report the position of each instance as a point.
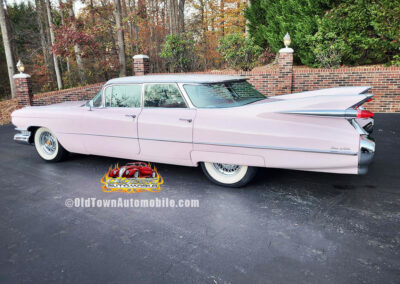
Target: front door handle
(131, 115)
(186, 119)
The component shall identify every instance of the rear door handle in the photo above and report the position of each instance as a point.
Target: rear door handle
(131, 115)
(186, 119)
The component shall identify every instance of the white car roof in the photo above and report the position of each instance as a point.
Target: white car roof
(180, 78)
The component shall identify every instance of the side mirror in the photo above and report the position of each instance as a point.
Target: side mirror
(89, 105)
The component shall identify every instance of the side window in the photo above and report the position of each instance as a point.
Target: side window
(163, 95)
(123, 95)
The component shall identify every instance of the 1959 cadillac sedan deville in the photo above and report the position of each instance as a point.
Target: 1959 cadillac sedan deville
(219, 122)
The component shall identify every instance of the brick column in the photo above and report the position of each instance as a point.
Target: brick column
(141, 64)
(285, 78)
(23, 89)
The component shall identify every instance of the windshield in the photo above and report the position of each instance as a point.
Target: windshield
(96, 101)
(222, 95)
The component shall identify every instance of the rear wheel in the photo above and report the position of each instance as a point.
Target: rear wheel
(228, 175)
(48, 147)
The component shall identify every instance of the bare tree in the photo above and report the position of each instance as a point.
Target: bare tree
(120, 38)
(181, 16)
(77, 48)
(222, 13)
(43, 40)
(56, 66)
(7, 48)
(176, 16)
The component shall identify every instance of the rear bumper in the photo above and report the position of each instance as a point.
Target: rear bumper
(23, 136)
(366, 154)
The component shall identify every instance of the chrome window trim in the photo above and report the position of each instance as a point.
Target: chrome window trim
(186, 96)
(172, 83)
(122, 84)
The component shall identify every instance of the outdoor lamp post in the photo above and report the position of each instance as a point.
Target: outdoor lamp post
(286, 40)
(20, 67)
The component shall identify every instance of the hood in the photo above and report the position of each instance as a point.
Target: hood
(62, 105)
(43, 111)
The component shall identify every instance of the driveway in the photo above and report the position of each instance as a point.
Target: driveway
(285, 227)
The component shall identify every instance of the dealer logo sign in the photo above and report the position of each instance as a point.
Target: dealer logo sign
(133, 177)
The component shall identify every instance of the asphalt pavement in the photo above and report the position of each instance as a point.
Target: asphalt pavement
(284, 227)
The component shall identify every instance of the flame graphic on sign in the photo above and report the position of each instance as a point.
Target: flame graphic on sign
(131, 185)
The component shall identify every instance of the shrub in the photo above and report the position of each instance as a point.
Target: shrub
(179, 52)
(239, 53)
(365, 31)
(329, 32)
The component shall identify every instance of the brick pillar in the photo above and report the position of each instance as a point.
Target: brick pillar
(23, 88)
(141, 64)
(285, 78)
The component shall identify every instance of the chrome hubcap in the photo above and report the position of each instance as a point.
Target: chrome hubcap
(48, 143)
(227, 169)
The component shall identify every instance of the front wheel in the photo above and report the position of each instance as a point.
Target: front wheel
(228, 175)
(48, 147)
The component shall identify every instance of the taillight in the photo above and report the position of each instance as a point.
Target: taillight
(364, 114)
(369, 100)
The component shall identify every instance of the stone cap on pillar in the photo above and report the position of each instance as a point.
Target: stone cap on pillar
(286, 50)
(21, 76)
(140, 56)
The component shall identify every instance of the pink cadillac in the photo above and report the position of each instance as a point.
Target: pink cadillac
(219, 122)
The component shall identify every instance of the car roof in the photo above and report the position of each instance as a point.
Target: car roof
(179, 78)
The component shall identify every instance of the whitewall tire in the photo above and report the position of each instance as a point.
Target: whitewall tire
(228, 175)
(48, 147)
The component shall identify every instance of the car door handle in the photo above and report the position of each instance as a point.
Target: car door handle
(131, 115)
(186, 119)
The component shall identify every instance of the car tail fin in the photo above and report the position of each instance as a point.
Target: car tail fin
(336, 102)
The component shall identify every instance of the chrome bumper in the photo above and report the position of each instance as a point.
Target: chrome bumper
(23, 136)
(367, 152)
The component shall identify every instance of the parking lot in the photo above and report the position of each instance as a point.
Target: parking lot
(285, 227)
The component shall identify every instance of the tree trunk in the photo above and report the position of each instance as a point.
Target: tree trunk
(222, 15)
(173, 16)
(92, 13)
(77, 48)
(181, 16)
(43, 41)
(120, 38)
(56, 65)
(7, 48)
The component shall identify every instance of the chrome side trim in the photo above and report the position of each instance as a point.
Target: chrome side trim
(23, 136)
(334, 113)
(282, 148)
(233, 145)
(100, 135)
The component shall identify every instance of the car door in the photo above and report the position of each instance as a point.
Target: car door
(165, 125)
(112, 129)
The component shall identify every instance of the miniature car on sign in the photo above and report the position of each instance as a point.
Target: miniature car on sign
(219, 122)
(133, 170)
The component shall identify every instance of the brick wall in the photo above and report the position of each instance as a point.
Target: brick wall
(385, 83)
(73, 94)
